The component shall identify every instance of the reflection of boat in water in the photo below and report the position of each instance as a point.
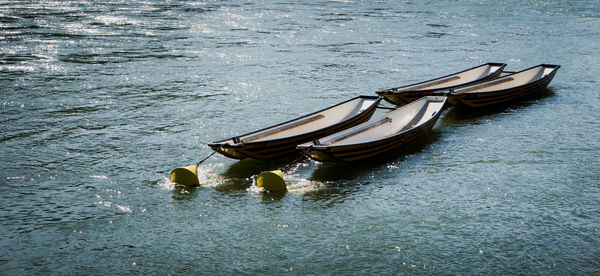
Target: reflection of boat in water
(504, 89)
(246, 168)
(281, 139)
(384, 133)
(409, 93)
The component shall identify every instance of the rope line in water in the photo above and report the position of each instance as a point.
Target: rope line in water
(200, 162)
(293, 163)
(298, 160)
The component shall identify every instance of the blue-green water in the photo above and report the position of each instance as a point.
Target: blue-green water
(100, 100)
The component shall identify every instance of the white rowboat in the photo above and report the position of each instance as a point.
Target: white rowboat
(382, 134)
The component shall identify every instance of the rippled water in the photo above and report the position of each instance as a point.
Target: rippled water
(100, 100)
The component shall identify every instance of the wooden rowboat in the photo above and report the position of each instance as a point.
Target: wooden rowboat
(409, 93)
(504, 89)
(281, 139)
(382, 134)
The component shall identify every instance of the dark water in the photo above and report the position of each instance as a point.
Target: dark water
(100, 100)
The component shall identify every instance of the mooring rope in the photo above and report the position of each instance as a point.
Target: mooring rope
(296, 161)
(200, 162)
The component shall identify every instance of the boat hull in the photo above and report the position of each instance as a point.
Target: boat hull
(361, 151)
(277, 148)
(407, 94)
(488, 98)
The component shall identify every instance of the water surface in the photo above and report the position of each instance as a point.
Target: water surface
(100, 100)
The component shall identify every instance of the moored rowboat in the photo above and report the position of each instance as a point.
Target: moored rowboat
(504, 89)
(382, 134)
(281, 139)
(409, 93)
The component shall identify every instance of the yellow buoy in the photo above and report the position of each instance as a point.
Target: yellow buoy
(187, 176)
(271, 181)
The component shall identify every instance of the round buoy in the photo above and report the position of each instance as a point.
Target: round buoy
(271, 181)
(187, 176)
